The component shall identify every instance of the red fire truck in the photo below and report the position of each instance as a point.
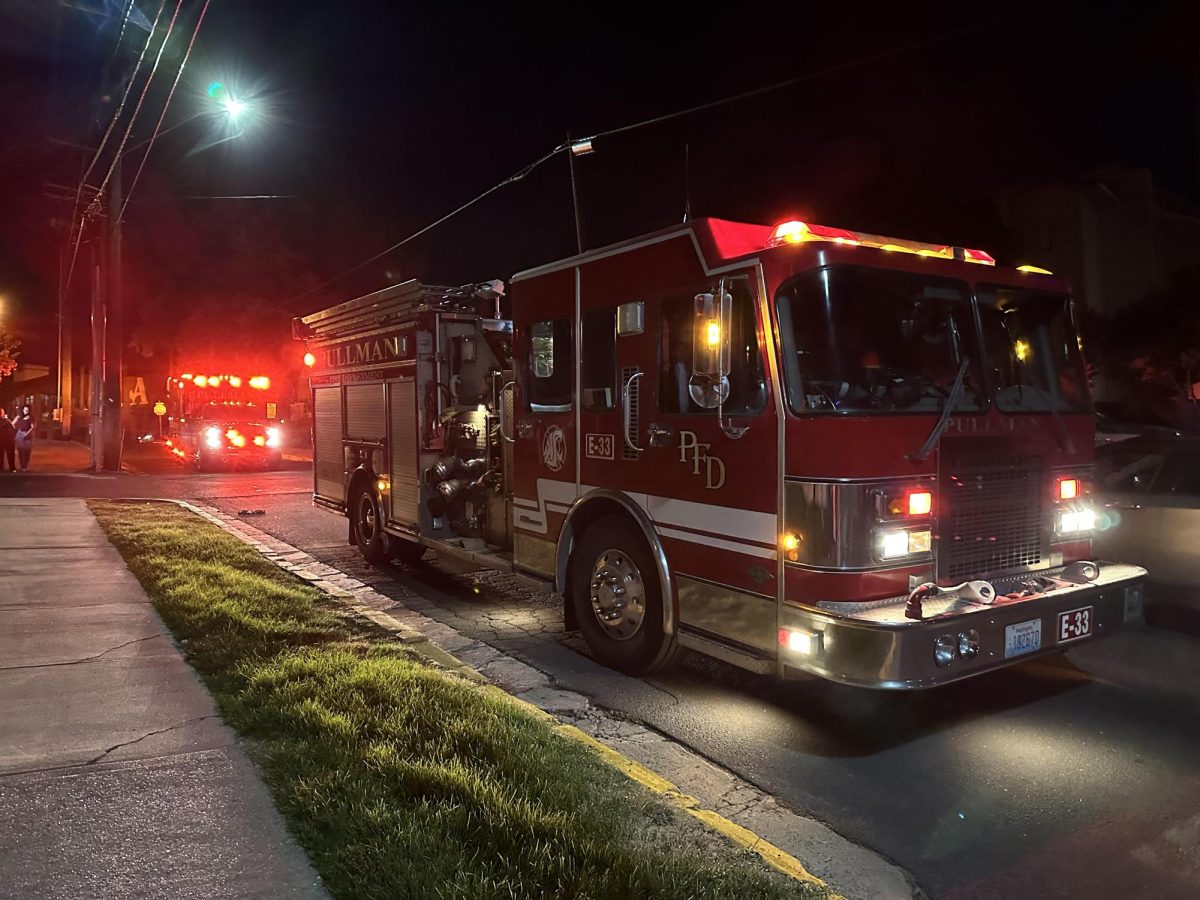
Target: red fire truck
(795, 448)
(220, 421)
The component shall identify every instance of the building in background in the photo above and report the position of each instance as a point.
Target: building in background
(1113, 234)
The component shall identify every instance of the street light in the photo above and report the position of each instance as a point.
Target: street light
(231, 104)
(108, 424)
(234, 107)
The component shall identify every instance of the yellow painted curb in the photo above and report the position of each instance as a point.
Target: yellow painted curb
(776, 858)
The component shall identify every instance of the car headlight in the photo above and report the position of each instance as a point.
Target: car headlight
(212, 437)
(274, 437)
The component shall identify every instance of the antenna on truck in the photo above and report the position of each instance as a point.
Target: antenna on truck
(687, 182)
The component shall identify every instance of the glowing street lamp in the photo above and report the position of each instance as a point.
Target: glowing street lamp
(233, 107)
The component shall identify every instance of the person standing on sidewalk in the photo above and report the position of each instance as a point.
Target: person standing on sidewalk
(8, 442)
(24, 426)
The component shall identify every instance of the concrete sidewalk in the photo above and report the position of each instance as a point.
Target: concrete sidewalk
(51, 457)
(117, 778)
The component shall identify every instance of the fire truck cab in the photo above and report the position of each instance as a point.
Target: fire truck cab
(794, 448)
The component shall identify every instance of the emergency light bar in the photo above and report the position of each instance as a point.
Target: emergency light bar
(795, 232)
(258, 382)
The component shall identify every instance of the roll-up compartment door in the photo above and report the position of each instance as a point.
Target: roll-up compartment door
(329, 465)
(403, 444)
(365, 412)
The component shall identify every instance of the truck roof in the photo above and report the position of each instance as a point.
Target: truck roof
(721, 242)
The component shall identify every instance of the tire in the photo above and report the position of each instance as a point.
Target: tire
(611, 571)
(367, 525)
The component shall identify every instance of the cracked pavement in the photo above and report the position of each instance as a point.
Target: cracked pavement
(117, 777)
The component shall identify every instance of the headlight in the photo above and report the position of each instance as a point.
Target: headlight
(212, 437)
(900, 543)
(1074, 521)
(274, 437)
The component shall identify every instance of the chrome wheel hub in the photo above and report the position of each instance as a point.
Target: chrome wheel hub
(366, 519)
(618, 595)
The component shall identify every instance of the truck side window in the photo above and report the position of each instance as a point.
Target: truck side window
(598, 359)
(550, 366)
(747, 382)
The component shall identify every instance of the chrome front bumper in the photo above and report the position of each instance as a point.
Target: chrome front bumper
(875, 645)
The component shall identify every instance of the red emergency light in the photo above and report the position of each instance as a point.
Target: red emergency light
(797, 232)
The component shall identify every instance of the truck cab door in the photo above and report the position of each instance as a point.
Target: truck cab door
(716, 499)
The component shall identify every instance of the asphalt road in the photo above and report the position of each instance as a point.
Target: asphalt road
(1074, 777)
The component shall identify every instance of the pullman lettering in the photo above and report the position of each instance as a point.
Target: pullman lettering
(372, 350)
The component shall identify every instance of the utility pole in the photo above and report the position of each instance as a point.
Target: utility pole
(112, 426)
(96, 455)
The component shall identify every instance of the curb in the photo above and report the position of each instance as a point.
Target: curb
(517, 682)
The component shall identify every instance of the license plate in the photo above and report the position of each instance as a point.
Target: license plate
(1075, 624)
(1024, 637)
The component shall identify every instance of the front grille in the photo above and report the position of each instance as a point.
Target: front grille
(992, 512)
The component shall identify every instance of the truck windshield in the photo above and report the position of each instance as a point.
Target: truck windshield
(876, 340)
(1033, 350)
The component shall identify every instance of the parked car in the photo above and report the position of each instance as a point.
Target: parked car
(1149, 489)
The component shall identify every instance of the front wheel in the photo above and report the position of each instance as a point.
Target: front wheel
(368, 527)
(617, 599)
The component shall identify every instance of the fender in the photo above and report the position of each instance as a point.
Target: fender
(566, 544)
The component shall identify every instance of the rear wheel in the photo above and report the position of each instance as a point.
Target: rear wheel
(618, 600)
(368, 527)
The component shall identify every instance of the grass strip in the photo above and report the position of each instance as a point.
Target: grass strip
(399, 779)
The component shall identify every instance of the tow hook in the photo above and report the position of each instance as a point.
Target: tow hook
(971, 591)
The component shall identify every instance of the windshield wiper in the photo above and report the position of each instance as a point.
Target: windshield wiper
(1060, 428)
(947, 408)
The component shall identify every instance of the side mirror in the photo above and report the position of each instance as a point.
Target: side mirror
(713, 314)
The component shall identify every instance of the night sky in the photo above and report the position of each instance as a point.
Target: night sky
(376, 118)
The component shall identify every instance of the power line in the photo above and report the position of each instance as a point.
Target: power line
(808, 76)
(124, 97)
(167, 105)
(108, 132)
(137, 109)
(516, 176)
(819, 73)
(243, 196)
(120, 35)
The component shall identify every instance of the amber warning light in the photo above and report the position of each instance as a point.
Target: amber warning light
(920, 503)
(796, 232)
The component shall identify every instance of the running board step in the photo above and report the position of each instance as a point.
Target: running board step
(743, 659)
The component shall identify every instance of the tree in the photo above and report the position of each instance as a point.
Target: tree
(9, 351)
(1150, 350)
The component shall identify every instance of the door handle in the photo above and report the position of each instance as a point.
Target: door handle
(660, 435)
(626, 418)
(504, 418)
